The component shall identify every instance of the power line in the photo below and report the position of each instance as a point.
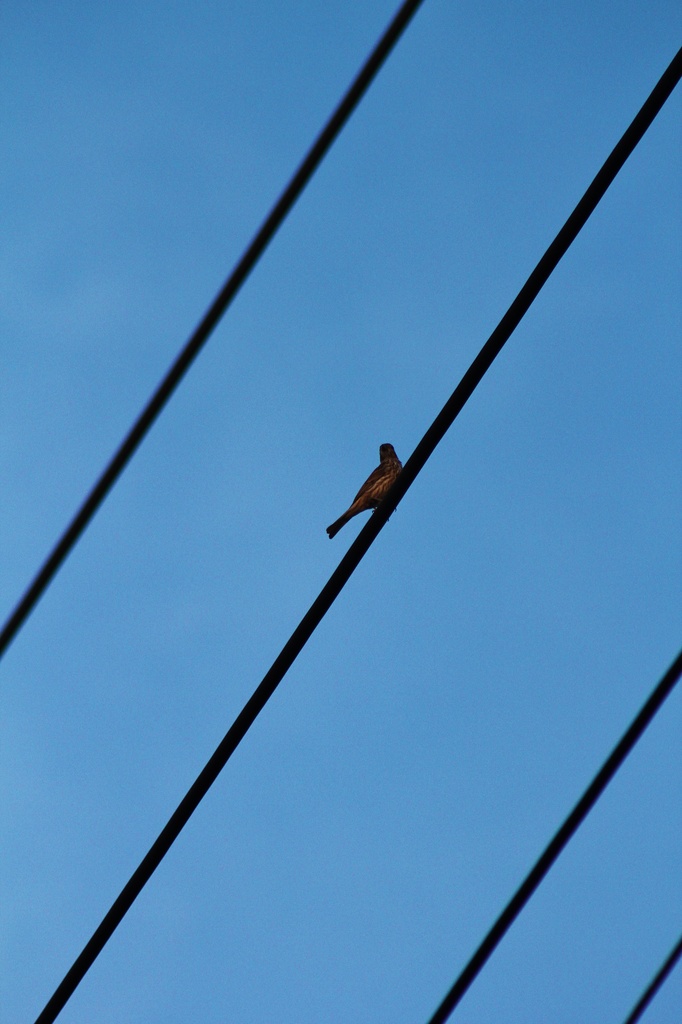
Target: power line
(361, 544)
(559, 842)
(655, 984)
(252, 254)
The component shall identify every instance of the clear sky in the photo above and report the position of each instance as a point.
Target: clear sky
(510, 620)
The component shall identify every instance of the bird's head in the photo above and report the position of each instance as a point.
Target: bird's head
(387, 451)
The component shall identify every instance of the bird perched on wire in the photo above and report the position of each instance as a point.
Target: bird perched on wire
(375, 487)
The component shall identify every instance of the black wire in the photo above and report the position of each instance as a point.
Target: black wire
(360, 545)
(557, 844)
(656, 983)
(196, 342)
(533, 285)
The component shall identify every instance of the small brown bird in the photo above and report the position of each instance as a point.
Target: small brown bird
(375, 487)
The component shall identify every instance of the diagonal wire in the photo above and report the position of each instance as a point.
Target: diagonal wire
(655, 984)
(557, 844)
(195, 343)
(360, 545)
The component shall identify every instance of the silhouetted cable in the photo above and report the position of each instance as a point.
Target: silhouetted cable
(360, 545)
(530, 290)
(656, 983)
(559, 842)
(196, 342)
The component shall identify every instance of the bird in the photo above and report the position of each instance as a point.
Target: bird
(375, 487)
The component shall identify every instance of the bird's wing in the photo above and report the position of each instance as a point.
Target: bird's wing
(369, 482)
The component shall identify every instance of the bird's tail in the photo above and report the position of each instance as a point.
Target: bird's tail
(336, 526)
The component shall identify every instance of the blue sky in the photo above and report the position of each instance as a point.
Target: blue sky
(511, 618)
